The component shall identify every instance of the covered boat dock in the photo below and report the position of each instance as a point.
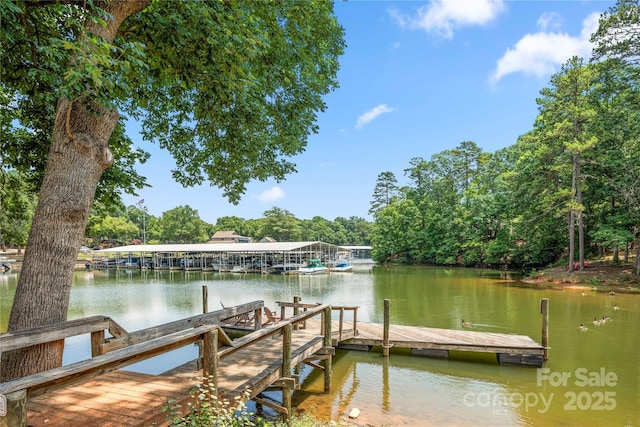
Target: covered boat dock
(277, 257)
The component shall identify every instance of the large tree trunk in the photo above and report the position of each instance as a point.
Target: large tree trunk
(578, 162)
(581, 241)
(78, 156)
(74, 167)
(626, 252)
(572, 246)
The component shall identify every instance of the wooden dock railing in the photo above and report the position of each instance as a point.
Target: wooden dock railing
(17, 390)
(342, 309)
(297, 305)
(108, 354)
(125, 348)
(286, 381)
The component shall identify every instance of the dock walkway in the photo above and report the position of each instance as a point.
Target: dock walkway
(510, 349)
(124, 398)
(436, 342)
(96, 391)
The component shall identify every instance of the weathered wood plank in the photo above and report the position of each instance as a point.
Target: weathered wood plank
(118, 398)
(211, 318)
(90, 368)
(272, 405)
(272, 330)
(259, 365)
(371, 334)
(132, 399)
(53, 332)
(443, 346)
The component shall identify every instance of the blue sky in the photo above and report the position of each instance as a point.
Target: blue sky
(417, 78)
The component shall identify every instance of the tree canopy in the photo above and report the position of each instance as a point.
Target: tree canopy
(519, 207)
(576, 169)
(231, 89)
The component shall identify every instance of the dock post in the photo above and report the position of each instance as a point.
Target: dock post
(286, 368)
(210, 364)
(205, 309)
(15, 407)
(355, 321)
(97, 338)
(205, 299)
(257, 318)
(296, 310)
(544, 310)
(385, 337)
(328, 342)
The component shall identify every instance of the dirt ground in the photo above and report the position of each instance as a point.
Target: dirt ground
(601, 276)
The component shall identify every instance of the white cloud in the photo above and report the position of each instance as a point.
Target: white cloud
(590, 26)
(443, 16)
(271, 195)
(401, 20)
(549, 20)
(540, 54)
(372, 114)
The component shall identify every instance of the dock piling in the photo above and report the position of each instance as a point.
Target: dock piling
(205, 299)
(296, 310)
(210, 363)
(544, 310)
(286, 368)
(14, 406)
(385, 334)
(328, 342)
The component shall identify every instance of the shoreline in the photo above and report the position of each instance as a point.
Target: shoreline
(598, 276)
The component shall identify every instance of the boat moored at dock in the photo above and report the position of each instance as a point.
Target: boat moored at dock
(342, 266)
(313, 267)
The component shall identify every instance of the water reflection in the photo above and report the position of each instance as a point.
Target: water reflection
(464, 390)
(399, 391)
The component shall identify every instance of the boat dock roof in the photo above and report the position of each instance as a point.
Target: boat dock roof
(223, 247)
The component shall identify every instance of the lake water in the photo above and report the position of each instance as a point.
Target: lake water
(591, 378)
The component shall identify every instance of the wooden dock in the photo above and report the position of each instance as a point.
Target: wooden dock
(118, 398)
(511, 349)
(97, 391)
(124, 398)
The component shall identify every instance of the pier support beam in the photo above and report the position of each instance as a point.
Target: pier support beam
(14, 407)
(205, 299)
(326, 317)
(296, 310)
(544, 310)
(286, 369)
(210, 361)
(385, 332)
